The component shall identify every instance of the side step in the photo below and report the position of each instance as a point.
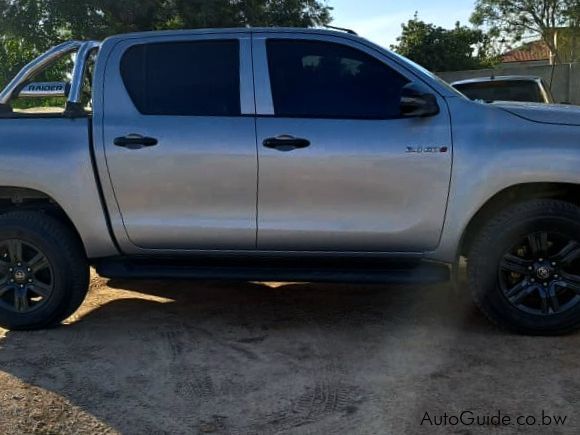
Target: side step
(304, 271)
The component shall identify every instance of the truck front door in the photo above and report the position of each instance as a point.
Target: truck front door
(340, 168)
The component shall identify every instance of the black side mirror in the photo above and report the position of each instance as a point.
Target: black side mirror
(418, 101)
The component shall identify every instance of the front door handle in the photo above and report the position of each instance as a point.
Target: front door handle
(286, 143)
(135, 141)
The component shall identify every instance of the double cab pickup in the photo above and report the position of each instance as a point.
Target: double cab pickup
(287, 155)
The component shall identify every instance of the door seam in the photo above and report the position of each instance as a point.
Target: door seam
(256, 140)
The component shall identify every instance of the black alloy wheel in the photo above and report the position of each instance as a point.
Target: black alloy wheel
(541, 274)
(524, 267)
(26, 276)
(44, 271)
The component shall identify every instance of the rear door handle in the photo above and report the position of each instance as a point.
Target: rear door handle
(286, 143)
(135, 141)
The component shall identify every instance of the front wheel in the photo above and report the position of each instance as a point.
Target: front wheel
(524, 268)
(44, 274)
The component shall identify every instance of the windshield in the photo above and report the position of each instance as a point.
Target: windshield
(506, 90)
(425, 71)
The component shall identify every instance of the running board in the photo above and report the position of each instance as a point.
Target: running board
(399, 273)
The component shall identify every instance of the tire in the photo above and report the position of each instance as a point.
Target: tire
(510, 284)
(52, 278)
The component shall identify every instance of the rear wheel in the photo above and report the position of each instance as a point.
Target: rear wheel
(44, 273)
(524, 268)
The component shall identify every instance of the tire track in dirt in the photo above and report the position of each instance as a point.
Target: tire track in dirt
(327, 393)
(200, 386)
(322, 401)
(191, 385)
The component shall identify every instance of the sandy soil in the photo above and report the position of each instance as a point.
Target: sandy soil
(243, 358)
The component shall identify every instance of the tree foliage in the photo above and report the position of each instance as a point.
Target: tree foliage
(29, 27)
(514, 19)
(47, 22)
(439, 49)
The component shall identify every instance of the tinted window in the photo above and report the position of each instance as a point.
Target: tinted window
(326, 80)
(184, 78)
(508, 90)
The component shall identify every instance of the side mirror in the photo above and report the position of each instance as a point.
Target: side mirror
(418, 101)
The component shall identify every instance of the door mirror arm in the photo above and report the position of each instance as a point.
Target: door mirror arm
(418, 101)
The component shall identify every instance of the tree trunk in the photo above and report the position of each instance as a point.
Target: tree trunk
(551, 40)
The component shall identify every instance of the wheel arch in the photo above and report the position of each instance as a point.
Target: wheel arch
(569, 192)
(25, 199)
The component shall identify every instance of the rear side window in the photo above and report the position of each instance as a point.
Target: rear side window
(199, 78)
(327, 80)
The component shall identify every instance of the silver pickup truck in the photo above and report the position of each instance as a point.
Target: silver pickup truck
(282, 154)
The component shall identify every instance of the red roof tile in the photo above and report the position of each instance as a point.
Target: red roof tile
(533, 51)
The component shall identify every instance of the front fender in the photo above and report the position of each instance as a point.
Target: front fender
(493, 151)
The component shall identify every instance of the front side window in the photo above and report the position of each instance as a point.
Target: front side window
(200, 78)
(328, 80)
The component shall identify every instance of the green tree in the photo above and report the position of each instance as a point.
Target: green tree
(29, 27)
(439, 49)
(514, 19)
(45, 22)
(224, 13)
(13, 54)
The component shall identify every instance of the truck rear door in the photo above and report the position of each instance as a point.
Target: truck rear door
(179, 138)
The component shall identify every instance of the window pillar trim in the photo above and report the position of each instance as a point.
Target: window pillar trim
(263, 91)
(247, 92)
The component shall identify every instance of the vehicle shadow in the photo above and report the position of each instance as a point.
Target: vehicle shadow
(188, 357)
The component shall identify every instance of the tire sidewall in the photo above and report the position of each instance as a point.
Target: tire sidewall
(49, 246)
(485, 274)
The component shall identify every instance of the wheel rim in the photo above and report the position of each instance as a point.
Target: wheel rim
(541, 274)
(26, 276)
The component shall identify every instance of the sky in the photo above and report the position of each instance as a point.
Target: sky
(380, 20)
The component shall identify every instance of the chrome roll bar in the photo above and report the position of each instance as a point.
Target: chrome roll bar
(38, 64)
(79, 70)
(83, 49)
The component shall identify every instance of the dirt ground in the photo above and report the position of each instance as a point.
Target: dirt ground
(243, 358)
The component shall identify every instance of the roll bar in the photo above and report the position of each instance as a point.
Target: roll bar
(83, 49)
(73, 104)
